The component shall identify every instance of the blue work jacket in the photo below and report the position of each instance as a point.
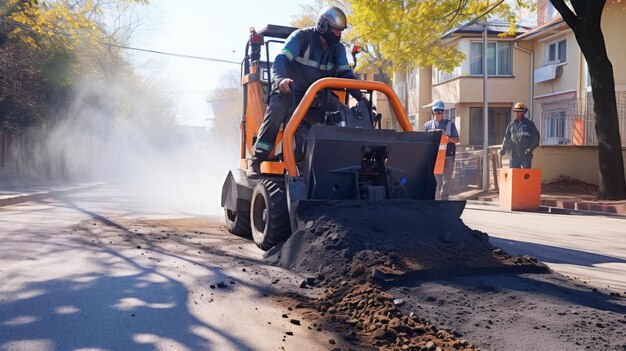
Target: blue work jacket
(304, 60)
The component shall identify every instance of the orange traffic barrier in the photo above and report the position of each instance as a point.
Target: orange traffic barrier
(520, 189)
(441, 154)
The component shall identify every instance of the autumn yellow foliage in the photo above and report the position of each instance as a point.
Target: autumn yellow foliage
(407, 34)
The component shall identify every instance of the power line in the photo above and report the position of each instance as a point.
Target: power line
(173, 54)
(28, 28)
(192, 92)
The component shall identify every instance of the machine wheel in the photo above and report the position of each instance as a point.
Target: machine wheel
(237, 223)
(269, 216)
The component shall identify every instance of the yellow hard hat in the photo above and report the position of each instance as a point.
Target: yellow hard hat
(520, 107)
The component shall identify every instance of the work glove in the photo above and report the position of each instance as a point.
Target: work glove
(528, 152)
(502, 152)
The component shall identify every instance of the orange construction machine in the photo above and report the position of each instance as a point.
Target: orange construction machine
(344, 155)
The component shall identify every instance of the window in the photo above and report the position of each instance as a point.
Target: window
(498, 119)
(412, 80)
(399, 89)
(556, 52)
(555, 125)
(498, 58)
(442, 76)
(449, 114)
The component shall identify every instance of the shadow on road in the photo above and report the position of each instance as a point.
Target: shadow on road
(113, 303)
(553, 254)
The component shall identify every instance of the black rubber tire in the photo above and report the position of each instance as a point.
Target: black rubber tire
(238, 223)
(269, 217)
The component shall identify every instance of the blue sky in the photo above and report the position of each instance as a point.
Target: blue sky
(200, 28)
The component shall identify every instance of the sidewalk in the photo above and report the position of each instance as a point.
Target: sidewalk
(13, 193)
(555, 203)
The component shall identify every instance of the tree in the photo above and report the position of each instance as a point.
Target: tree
(58, 41)
(22, 84)
(407, 34)
(309, 12)
(71, 93)
(584, 20)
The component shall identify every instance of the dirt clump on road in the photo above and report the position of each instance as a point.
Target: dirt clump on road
(351, 249)
(366, 315)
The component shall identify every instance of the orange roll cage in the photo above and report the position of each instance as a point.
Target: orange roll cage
(335, 83)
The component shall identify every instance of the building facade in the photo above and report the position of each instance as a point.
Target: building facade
(562, 95)
(542, 67)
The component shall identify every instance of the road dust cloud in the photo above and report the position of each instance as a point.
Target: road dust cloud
(114, 132)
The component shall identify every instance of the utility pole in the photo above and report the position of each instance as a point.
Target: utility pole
(485, 113)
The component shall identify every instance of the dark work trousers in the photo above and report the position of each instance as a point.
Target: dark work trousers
(520, 160)
(444, 181)
(280, 105)
(275, 115)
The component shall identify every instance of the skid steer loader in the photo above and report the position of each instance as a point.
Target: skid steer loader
(340, 157)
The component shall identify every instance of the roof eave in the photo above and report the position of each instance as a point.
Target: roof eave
(557, 23)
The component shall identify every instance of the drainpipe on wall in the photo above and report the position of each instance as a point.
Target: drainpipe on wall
(406, 94)
(531, 103)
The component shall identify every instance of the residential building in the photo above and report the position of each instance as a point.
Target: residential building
(542, 67)
(562, 94)
(508, 69)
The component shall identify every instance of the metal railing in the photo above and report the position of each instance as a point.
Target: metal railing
(572, 121)
(468, 168)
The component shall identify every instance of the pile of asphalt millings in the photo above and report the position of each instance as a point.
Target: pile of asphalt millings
(352, 249)
(426, 237)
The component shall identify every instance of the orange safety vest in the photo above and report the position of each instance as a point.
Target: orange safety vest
(441, 154)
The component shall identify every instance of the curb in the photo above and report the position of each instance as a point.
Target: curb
(578, 211)
(16, 199)
(551, 209)
(554, 204)
(617, 209)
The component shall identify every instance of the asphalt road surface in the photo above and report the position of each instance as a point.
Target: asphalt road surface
(114, 269)
(586, 247)
(133, 268)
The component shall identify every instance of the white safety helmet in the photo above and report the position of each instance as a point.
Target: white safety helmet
(438, 105)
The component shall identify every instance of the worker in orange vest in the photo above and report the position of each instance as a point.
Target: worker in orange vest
(449, 129)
